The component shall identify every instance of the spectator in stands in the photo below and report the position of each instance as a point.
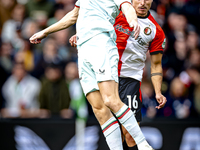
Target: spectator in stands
(40, 11)
(193, 40)
(20, 92)
(179, 57)
(162, 8)
(62, 38)
(29, 27)
(54, 96)
(11, 31)
(193, 59)
(179, 100)
(67, 5)
(59, 14)
(6, 53)
(6, 11)
(175, 29)
(28, 55)
(50, 55)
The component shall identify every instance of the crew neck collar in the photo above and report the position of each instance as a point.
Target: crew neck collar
(144, 16)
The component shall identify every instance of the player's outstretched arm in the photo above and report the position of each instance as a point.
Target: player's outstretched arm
(68, 20)
(131, 18)
(156, 77)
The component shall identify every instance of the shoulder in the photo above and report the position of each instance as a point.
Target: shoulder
(10, 79)
(157, 26)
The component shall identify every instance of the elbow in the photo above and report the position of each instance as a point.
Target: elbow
(156, 66)
(156, 69)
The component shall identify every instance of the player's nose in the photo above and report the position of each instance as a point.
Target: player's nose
(142, 2)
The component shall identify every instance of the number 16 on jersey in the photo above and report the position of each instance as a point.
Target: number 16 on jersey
(132, 102)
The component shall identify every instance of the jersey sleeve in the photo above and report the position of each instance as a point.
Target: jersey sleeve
(77, 4)
(120, 2)
(122, 30)
(158, 43)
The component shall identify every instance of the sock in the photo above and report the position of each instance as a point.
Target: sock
(144, 145)
(127, 119)
(112, 133)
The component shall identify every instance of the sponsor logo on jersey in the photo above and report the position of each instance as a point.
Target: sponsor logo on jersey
(128, 32)
(119, 28)
(147, 31)
(101, 71)
(163, 44)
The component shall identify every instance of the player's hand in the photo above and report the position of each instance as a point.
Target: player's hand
(37, 37)
(136, 28)
(73, 41)
(161, 100)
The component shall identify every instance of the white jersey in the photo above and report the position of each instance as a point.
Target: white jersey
(96, 16)
(132, 52)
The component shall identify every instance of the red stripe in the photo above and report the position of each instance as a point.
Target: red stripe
(124, 113)
(110, 126)
(77, 6)
(140, 93)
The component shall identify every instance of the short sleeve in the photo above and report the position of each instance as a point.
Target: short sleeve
(120, 2)
(77, 4)
(158, 43)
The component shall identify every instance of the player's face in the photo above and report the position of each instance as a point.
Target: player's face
(142, 7)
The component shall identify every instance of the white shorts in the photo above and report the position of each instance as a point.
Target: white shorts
(97, 61)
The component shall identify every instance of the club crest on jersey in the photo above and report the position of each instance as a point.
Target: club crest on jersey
(147, 31)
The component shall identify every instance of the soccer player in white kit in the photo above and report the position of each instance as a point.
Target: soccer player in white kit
(98, 64)
(132, 56)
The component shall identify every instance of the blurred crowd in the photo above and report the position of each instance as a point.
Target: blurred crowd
(41, 81)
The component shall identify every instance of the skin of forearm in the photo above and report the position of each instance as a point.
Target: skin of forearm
(68, 20)
(156, 79)
(129, 12)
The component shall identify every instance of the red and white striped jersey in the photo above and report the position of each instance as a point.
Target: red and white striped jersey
(132, 52)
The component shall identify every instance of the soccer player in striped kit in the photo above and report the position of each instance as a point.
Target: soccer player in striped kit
(132, 56)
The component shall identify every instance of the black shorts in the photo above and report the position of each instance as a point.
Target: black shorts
(130, 94)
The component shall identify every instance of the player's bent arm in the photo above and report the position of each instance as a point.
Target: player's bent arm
(131, 17)
(156, 72)
(129, 12)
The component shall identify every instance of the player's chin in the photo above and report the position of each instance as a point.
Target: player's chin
(142, 13)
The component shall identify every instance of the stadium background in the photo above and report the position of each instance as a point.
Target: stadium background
(174, 127)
